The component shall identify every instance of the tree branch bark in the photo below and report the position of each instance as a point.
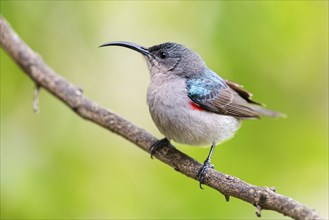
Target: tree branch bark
(45, 77)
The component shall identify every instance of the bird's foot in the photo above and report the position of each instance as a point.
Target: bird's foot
(157, 145)
(203, 170)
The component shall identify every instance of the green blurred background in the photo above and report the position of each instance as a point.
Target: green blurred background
(56, 165)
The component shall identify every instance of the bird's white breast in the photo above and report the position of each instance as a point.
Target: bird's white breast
(172, 113)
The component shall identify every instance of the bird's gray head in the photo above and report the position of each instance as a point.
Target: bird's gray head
(167, 58)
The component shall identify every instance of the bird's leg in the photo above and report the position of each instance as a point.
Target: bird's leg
(157, 145)
(206, 165)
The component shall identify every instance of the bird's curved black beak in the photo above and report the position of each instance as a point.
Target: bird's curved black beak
(129, 45)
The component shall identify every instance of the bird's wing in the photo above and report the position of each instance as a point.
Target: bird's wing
(246, 95)
(255, 106)
(212, 93)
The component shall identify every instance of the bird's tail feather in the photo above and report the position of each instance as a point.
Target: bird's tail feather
(266, 112)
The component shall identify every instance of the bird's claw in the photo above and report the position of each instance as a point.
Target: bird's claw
(157, 145)
(203, 170)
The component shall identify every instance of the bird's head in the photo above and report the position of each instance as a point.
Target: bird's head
(167, 58)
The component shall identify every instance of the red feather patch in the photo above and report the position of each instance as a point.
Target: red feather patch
(195, 106)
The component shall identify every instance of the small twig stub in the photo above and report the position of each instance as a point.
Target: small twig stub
(36, 98)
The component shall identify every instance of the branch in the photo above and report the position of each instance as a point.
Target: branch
(45, 77)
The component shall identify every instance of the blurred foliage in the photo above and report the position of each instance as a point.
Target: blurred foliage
(55, 165)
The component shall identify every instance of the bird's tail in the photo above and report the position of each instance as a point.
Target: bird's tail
(266, 112)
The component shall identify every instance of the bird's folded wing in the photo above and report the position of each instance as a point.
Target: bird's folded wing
(213, 94)
(246, 95)
(210, 92)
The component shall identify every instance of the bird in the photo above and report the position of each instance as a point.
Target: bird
(191, 104)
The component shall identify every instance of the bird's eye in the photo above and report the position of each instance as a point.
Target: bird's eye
(163, 55)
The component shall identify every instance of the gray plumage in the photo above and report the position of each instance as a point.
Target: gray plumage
(191, 104)
(171, 111)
